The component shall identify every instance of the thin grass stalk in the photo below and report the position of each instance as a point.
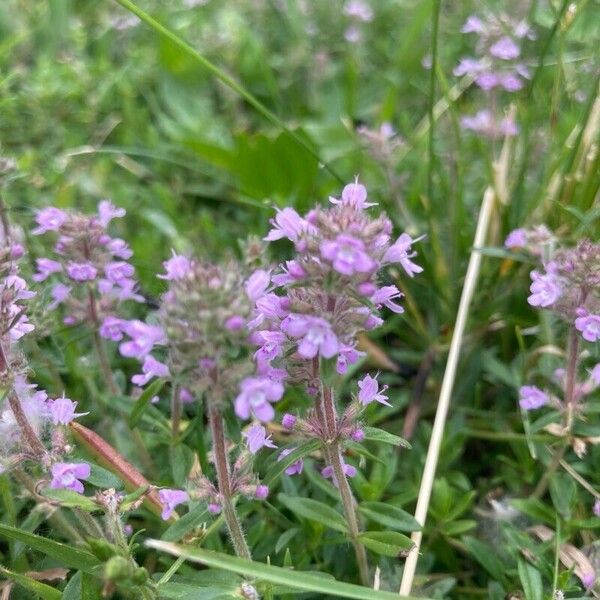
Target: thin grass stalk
(434, 44)
(446, 389)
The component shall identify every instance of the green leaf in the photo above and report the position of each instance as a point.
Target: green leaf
(388, 543)
(313, 510)
(103, 478)
(71, 499)
(190, 521)
(43, 590)
(142, 403)
(562, 492)
(285, 538)
(379, 435)
(69, 556)
(281, 465)
(81, 587)
(536, 509)
(389, 516)
(192, 591)
(487, 557)
(459, 527)
(531, 580)
(302, 581)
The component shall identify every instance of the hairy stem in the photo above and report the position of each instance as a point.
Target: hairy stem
(224, 482)
(175, 412)
(334, 455)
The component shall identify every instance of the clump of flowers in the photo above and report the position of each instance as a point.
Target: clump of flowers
(496, 67)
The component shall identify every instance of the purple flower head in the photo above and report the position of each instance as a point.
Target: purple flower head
(353, 34)
(213, 508)
(347, 255)
(45, 268)
(262, 491)
(111, 328)
(17, 251)
(288, 421)
(62, 411)
(186, 396)
(288, 224)
(473, 24)
(118, 272)
(272, 346)
(369, 391)
(143, 338)
(348, 356)
(296, 467)
(292, 272)
(359, 9)
(235, 323)
(487, 81)
(177, 267)
(66, 476)
(107, 211)
(505, 49)
(119, 249)
(358, 435)
(257, 438)
(151, 368)
(355, 195)
(257, 284)
(588, 324)
(587, 579)
(400, 252)
(81, 271)
(316, 333)
(328, 472)
(516, 239)
(385, 296)
(59, 293)
(511, 82)
(595, 374)
(255, 397)
(49, 219)
(531, 397)
(170, 499)
(545, 289)
(468, 66)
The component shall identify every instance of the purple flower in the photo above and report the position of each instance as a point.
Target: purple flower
(587, 579)
(107, 211)
(49, 219)
(288, 224)
(545, 289)
(81, 271)
(505, 49)
(296, 467)
(262, 491)
(213, 508)
(119, 249)
(235, 323)
(316, 333)
(292, 272)
(177, 267)
(516, 239)
(288, 421)
(257, 284)
(385, 296)
(151, 368)
(143, 338)
(347, 255)
(588, 324)
(59, 293)
(369, 391)
(511, 82)
(328, 472)
(487, 81)
(272, 346)
(400, 252)
(62, 411)
(66, 476)
(596, 508)
(255, 397)
(111, 328)
(118, 272)
(358, 9)
(531, 397)
(348, 355)
(170, 499)
(46, 267)
(358, 435)
(257, 438)
(353, 34)
(473, 24)
(595, 374)
(355, 195)
(468, 66)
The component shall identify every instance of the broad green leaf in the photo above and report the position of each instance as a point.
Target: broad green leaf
(277, 575)
(71, 499)
(389, 516)
(562, 492)
(388, 543)
(141, 404)
(487, 557)
(82, 587)
(103, 478)
(285, 538)
(313, 510)
(531, 580)
(459, 527)
(190, 521)
(42, 590)
(192, 591)
(379, 435)
(281, 465)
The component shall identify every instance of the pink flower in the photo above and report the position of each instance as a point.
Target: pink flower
(347, 255)
(369, 391)
(46, 267)
(81, 271)
(296, 467)
(117, 272)
(170, 499)
(516, 239)
(59, 292)
(358, 9)
(119, 249)
(257, 284)
(473, 24)
(262, 491)
(288, 421)
(255, 397)
(596, 508)
(531, 397)
(487, 81)
(348, 355)
(151, 368)
(316, 333)
(213, 508)
(505, 49)
(292, 272)
(595, 374)
(355, 195)
(384, 297)
(67, 475)
(288, 224)
(111, 328)
(143, 338)
(468, 66)
(235, 323)
(177, 267)
(545, 289)
(49, 219)
(588, 324)
(62, 411)
(257, 438)
(107, 211)
(400, 252)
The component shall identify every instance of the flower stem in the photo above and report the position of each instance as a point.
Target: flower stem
(224, 482)
(175, 412)
(334, 455)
